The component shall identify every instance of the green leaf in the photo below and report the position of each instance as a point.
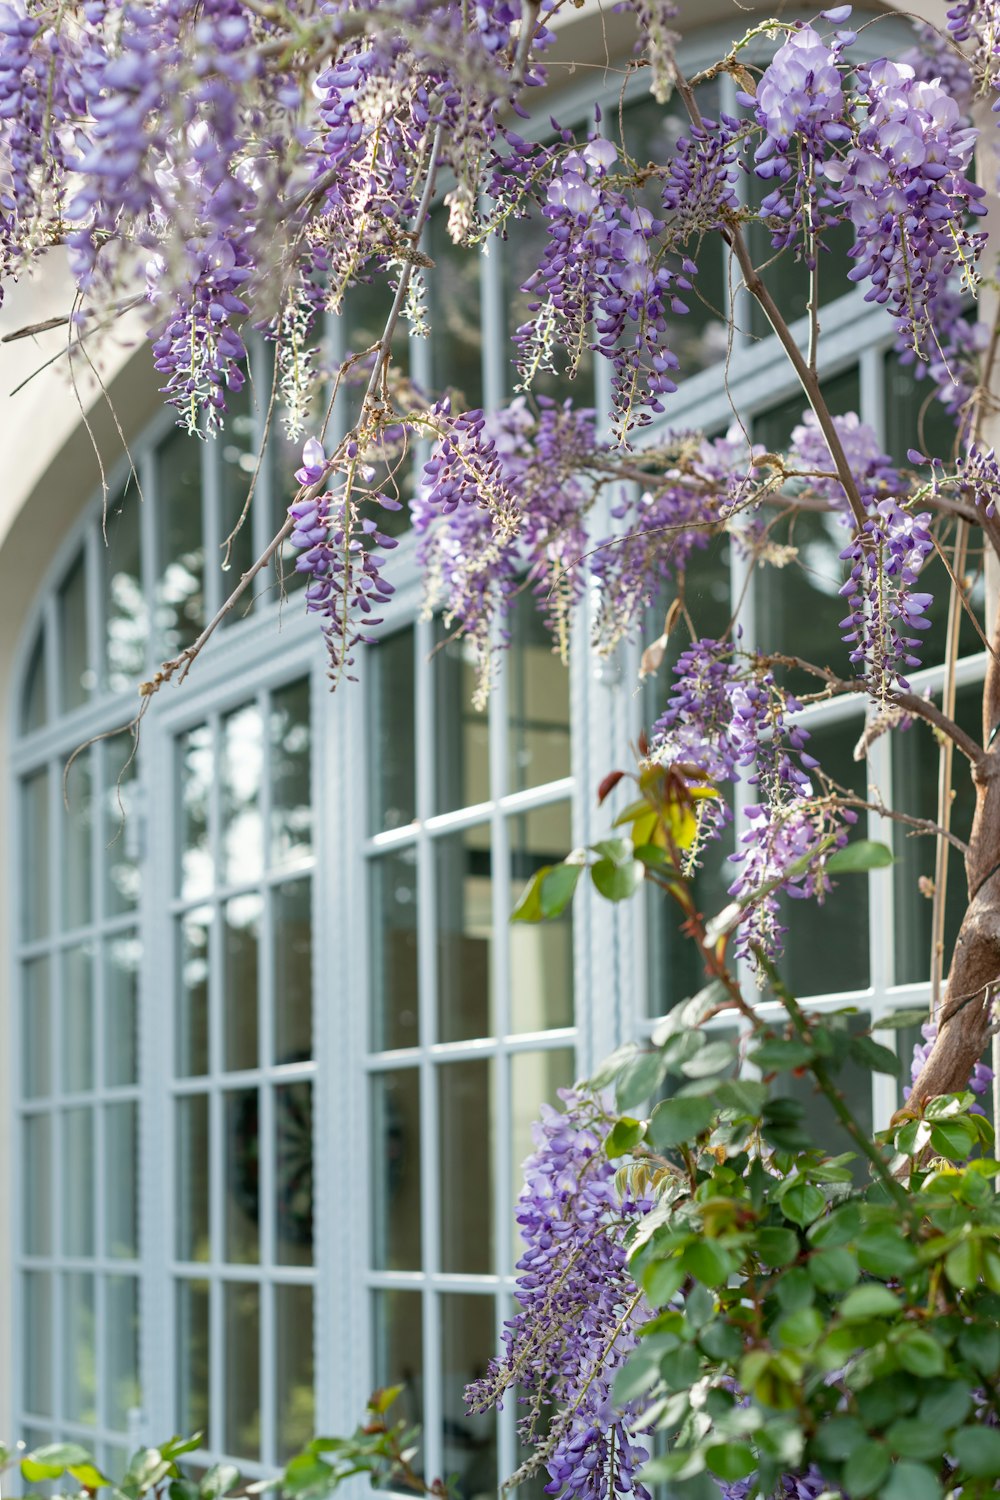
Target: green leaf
(49, 1461)
(953, 1139)
(713, 1058)
(307, 1473)
(708, 1262)
(800, 1329)
(981, 1347)
(557, 888)
(776, 1054)
(835, 1270)
(88, 1476)
(678, 1121)
(689, 1013)
(721, 1341)
(909, 1481)
(897, 1020)
(920, 1353)
(961, 1265)
(742, 1096)
(624, 1137)
(218, 1481)
(777, 1247)
(884, 1251)
(662, 1280)
(874, 1056)
(640, 1078)
(680, 1367)
(978, 1452)
(838, 1228)
(838, 1436)
(610, 1068)
(617, 875)
(946, 1404)
(865, 1469)
(802, 1203)
(146, 1469)
(639, 1374)
(911, 1438)
(529, 904)
(861, 855)
(868, 1301)
(730, 1461)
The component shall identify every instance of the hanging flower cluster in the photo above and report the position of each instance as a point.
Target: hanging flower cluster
(579, 1311)
(886, 558)
(873, 470)
(980, 1081)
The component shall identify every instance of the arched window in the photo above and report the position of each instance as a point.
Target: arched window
(279, 1047)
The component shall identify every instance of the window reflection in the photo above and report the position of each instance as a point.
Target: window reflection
(292, 982)
(192, 1334)
(241, 944)
(191, 1181)
(35, 855)
(77, 676)
(538, 701)
(241, 1112)
(541, 954)
(465, 1116)
(242, 771)
(395, 1013)
(468, 1342)
(462, 750)
(241, 1403)
(294, 1397)
(77, 817)
(35, 703)
(398, 1337)
(197, 772)
(192, 1009)
(466, 1003)
(77, 1030)
(293, 1173)
(127, 608)
(456, 343)
(291, 802)
(121, 1335)
(392, 733)
(180, 591)
(235, 449)
(36, 1028)
(121, 1140)
(78, 1345)
(396, 1163)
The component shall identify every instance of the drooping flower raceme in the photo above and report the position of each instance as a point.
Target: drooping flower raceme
(579, 1311)
(886, 559)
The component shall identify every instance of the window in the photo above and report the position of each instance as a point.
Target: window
(280, 1048)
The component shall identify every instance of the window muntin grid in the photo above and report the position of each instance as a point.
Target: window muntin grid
(471, 1022)
(242, 1261)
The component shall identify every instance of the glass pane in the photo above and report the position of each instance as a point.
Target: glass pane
(914, 416)
(396, 1170)
(291, 909)
(121, 1011)
(36, 686)
(465, 936)
(38, 1185)
(399, 1352)
(77, 1031)
(242, 767)
(293, 1170)
(192, 1009)
(456, 342)
(78, 1346)
(191, 1195)
(242, 1205)
(535, 1079)
(180, 592)
(36, 1029)
(39, 1395)
(294, 1396)
(77, 815)
(539, 701)
(461, 751)
(35, 860)
(242, 942)
(468, 1343)
(541, 955)
(121, 1348)
(121, 1179)
(121, 837)
(127, 607)
(236, 454)
(193, 1346)
(291, 801)
(77, 675)
(197, 772)
(241, 1311)
(79, 1167)
(392, 735)
(915, 790)
(774, 427)
(395, 1014)
(465, 1123)
(839, 928)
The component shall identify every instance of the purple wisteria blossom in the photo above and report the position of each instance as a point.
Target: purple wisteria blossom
(886, 559)
(980, 1080)
(579, 1311)
(872, 469)
(906, 191)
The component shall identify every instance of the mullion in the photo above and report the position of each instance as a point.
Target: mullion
(266, 1135)
(216, 1127)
